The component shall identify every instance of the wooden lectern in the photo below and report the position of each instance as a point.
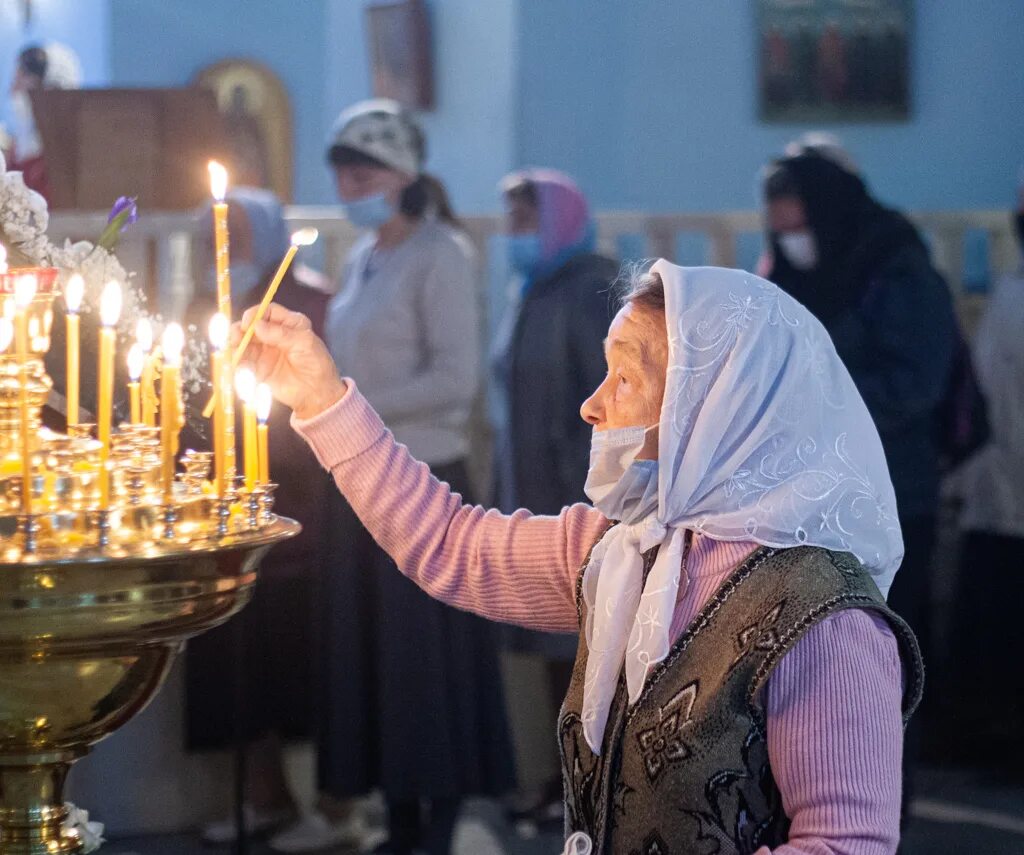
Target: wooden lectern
(152, 143)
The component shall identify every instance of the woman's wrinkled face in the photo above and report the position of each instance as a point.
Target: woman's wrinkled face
(636, 351)
(358, 181)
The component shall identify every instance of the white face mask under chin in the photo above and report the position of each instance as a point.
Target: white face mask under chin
(620, 486)
(800, 249)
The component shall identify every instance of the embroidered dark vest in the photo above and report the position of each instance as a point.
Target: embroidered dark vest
(685, 770)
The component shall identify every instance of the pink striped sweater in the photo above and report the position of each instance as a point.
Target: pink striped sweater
(835, 736)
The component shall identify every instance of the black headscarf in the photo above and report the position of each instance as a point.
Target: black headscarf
(855, 235)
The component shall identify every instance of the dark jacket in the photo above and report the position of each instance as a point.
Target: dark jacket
(550, 360)
(890, 315)
(898, 347)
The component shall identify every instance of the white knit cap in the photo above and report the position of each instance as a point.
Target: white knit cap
(381, 129)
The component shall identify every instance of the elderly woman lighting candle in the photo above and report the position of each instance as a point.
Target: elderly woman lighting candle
(739, 676)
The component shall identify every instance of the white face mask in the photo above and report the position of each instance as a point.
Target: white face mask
(800, 249)
(620, 486)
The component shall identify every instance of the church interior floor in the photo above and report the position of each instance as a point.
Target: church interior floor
(955, 812)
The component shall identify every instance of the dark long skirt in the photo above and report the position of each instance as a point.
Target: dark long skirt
(412, 699)
(986, 696)
(277, 633)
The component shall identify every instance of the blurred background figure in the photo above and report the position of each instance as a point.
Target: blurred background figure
(865, 272)
(39, 66)
(405, 326)
(987, 640)
(279, 628)
(548, 355)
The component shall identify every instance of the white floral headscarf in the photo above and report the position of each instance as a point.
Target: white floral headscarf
(764, 438)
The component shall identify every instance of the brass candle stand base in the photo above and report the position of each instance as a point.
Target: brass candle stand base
(85, 643)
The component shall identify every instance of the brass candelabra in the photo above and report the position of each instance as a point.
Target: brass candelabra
(98, 595)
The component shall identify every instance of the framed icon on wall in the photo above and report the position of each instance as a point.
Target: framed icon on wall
(401, 65)
(834, 60)
(257, 118)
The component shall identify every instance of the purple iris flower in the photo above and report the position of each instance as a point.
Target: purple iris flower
(124, 205)
(122, 215)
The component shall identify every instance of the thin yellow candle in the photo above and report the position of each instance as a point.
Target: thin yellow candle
(73, 302)
(24, 294)
(136, 362)
(170, 413)
(303, 237)
(264, 400)
(110, 311)
(147, 382)
(245, 385)
(221, 382)
(222, 254)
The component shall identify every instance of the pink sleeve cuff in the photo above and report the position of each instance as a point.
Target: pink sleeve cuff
(343, 431)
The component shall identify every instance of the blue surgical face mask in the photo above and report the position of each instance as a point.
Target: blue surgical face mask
(620, 486)
(370, 212)
(524, 252)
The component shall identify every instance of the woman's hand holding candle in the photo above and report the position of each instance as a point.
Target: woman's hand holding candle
(286, 354)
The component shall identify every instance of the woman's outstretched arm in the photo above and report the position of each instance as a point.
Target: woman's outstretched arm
(520, 568)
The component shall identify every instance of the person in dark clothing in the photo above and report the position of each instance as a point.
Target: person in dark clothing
(278, 626)
(865, 272)
(548, 353)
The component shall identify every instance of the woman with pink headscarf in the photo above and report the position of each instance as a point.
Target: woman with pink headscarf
(547, 355)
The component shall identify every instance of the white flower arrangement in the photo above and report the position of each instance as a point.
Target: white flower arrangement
(24, 218)
(77, 824)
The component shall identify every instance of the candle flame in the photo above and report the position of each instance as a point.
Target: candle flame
(173, 342)
(245, 384)
(6, 333)
(25, 290)
(136, 360)
(74, 292)
(305, 237)
(264, 400)
(110, 304)
(218, 181)
(144, 335)
(219, 331)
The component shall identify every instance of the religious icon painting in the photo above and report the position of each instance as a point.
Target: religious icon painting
(834, 60)
(257, 116)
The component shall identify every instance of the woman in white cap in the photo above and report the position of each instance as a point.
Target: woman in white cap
(412, 702)
(741, 685)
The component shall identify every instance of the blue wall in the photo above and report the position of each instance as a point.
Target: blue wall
(83, 25)
(164, 43)
(652, 103)
(471, 130)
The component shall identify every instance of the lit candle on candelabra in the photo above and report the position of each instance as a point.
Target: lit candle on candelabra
(136, 362)
(222, 256)
(147, 382)
(24, 294)
(245, 385)
(221, 382)
(73, 294)
(170, 404)
(110, 312)
(264, 400)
